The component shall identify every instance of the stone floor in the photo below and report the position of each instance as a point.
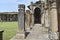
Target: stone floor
(36, 33)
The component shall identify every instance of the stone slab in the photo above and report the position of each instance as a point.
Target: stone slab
(36, 33)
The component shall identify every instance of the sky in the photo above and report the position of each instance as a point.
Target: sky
(12, 5)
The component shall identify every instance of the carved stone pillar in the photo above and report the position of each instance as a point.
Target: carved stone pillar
(32, 15)
(21, 22)
(42, 19)
(28, 19)
(46, 24)
(54, 22)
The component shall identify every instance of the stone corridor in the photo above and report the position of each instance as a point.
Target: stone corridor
(36, 33)
(49, 18)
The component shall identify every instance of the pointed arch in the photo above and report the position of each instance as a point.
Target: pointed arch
(37, 15)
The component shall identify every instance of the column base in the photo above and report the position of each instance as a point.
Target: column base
(45, 30)
(28, 29)
(31, 26)
(20, 36)
(54, 35)
(47, 26)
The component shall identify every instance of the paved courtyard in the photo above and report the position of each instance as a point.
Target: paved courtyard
(37, 33)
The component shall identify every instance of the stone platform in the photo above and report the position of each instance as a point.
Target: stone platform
(37, 33)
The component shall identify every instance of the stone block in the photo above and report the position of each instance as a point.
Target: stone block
(20, 36)
(28, 29)
(45, 30)
(54, 35)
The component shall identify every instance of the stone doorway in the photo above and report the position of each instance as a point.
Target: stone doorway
(37, 16)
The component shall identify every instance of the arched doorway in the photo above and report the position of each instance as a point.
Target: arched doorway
(37, 16)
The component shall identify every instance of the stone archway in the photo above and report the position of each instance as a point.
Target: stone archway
(37, 16)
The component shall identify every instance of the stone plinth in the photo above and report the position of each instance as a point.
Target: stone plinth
(20, 36)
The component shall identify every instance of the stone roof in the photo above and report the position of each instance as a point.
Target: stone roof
(8, 12)
(34, 4)
(38, 2)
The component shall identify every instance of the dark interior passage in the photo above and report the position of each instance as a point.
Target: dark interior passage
(58, 14)
(37, 16)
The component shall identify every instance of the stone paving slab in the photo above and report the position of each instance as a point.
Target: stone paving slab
(36, 34)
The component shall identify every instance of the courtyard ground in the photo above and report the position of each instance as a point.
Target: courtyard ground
(37, 32)
(10, 29)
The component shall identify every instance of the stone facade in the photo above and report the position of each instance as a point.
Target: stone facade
(44, 12)
(9, 16)
(49, 17)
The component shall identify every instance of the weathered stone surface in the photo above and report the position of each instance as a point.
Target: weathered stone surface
(45, 30)
(54, 21)
(20, 36)
(21, 22)
(39, 32)
(42, 19)
(54, 35)
(32, 15)
(36, 34)
(28, 19)
(46, 19)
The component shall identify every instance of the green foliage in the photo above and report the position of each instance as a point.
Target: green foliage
(10, 29)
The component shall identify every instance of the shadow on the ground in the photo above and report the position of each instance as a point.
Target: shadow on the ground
(26, 34)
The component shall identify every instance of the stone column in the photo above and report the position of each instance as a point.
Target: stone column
(28, 19)
(21, 22)
(42, 19)
(46, 24)
(46, 19)
(32, 15)
(42, 14)
(54, 22)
